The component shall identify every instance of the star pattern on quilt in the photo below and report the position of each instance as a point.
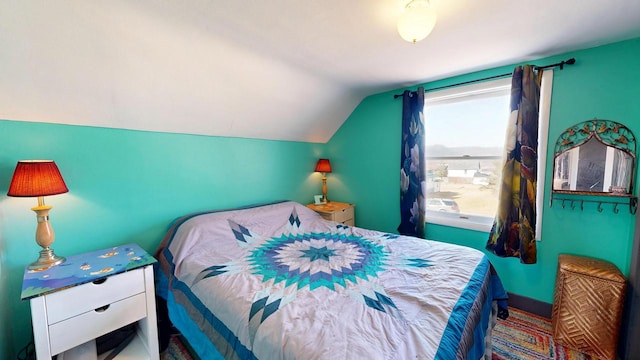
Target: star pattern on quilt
(317, 259)
(297, 260)
(318, 253)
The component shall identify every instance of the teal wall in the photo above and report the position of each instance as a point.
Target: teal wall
(127, 186)
(604, 83)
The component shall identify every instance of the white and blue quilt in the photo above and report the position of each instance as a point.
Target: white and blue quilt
(279, 282)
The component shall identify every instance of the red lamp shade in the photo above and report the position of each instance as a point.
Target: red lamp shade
(323, 165)
(33, 178)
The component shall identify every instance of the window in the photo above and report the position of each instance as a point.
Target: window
(464, 144)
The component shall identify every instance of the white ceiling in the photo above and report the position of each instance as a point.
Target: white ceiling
(268, 69)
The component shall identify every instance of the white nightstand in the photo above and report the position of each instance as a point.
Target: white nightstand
(336, 211)
(90, 295)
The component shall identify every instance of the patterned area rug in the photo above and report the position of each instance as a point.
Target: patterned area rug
(178, 349)
(522, 336)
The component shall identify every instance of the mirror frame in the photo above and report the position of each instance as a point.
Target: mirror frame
(608, 132)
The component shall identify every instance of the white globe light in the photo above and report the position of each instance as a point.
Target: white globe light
(417, 22)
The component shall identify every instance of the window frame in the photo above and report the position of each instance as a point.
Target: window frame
(482, 223)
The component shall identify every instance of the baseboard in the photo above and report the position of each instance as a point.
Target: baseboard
(530, 305)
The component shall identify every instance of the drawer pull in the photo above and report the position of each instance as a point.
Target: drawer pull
(102, 308)
(100, 281)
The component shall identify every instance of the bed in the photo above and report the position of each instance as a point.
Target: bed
(276, 281)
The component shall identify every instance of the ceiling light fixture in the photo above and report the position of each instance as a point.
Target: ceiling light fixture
(418, 20)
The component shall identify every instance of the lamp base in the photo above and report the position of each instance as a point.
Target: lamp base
(46, 260)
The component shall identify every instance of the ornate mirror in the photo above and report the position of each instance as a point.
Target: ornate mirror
(595, 157)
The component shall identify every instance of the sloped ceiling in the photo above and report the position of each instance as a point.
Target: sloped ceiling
(277, 69)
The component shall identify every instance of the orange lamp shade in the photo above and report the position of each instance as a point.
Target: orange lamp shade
(323, 165)
(33, 178)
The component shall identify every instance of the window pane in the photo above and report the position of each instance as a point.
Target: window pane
(464, 148)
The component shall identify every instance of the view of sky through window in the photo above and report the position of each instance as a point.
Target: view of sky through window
(480, 122)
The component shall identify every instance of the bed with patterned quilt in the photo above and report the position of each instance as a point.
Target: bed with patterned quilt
(277, 281)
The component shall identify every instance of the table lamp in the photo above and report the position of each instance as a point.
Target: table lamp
(39, 178)
(324, 166)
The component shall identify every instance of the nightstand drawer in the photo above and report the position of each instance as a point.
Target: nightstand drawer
(87, 297)
(343, 215)
(326, 216)
(87, 326)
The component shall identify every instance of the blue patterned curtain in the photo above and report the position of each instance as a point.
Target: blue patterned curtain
(412, 165)
(513, 231)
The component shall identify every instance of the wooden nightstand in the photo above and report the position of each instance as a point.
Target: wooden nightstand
(336, 211)
(90, 295)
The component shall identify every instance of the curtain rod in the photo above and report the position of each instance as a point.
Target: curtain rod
(560, 65)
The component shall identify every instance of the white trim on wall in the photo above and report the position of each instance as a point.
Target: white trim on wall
(543, 137)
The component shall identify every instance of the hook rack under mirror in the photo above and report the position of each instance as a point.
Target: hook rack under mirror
(568, 202)
(596, 158)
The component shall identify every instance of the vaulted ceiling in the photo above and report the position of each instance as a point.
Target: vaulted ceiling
(277, 69)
